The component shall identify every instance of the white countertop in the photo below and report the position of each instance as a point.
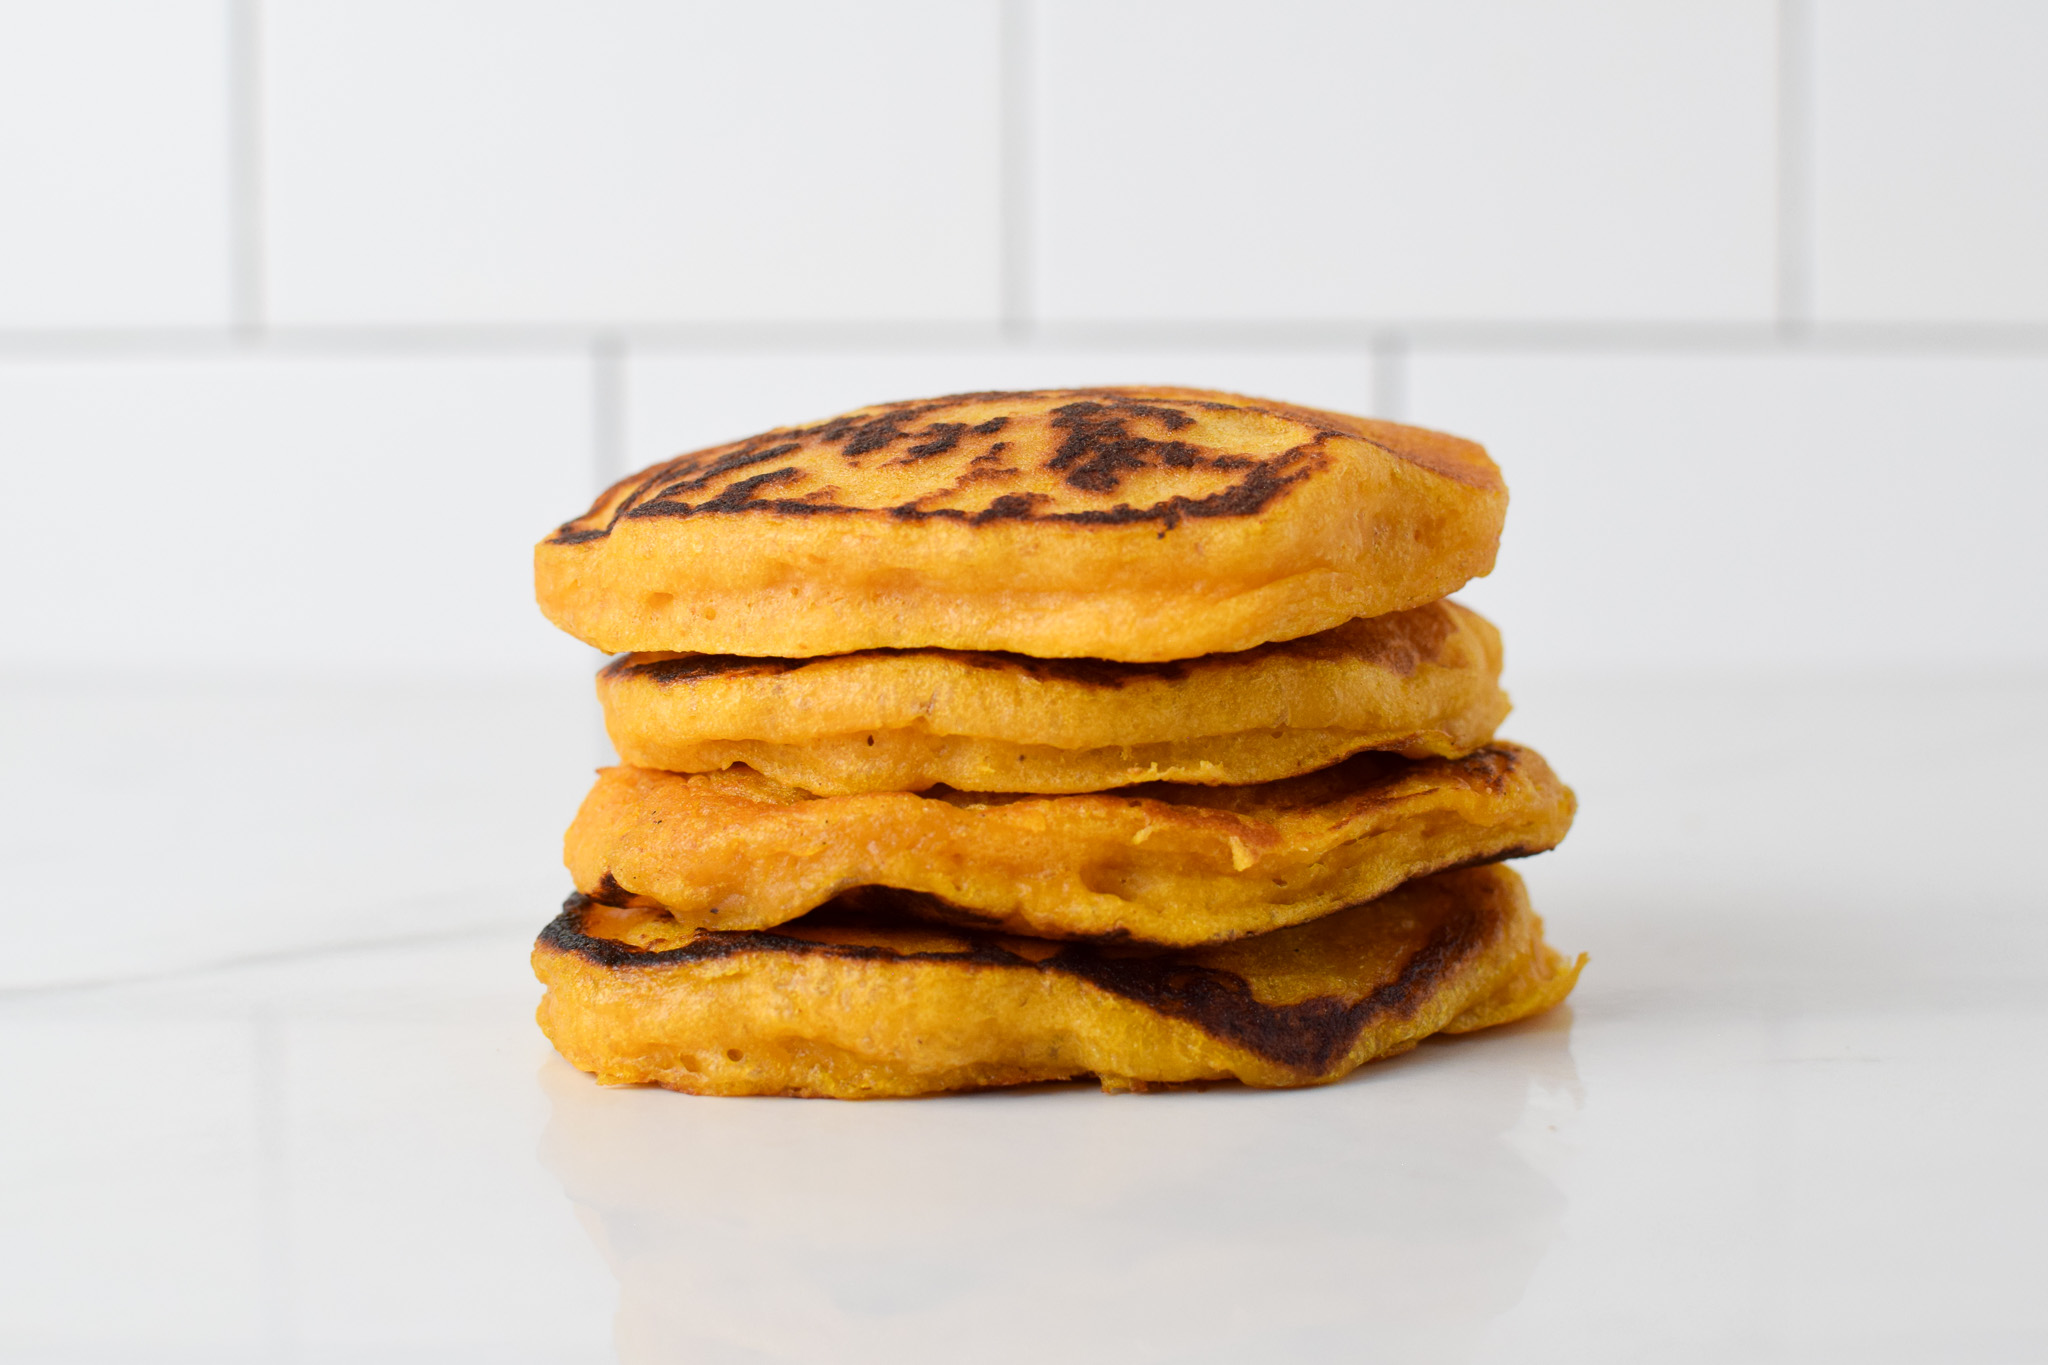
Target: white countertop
(1795, 1112)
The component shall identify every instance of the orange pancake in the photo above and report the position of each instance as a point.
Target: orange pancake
(1137, 524)
(1422, 683)
(858, 1006)
(1161, 863)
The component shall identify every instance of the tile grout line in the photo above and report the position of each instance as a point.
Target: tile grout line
(1014, 207)
(1795, 189)
(246, 303)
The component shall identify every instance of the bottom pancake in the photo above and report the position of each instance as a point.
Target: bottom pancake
(863, 1005)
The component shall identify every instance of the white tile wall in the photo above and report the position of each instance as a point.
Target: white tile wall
(454, 163)
(485, 161)
(680, 402)
(1564, 227)
(113, 163)
(1466, 159)
(1931, 159)
(1761, 511)
(340, 516)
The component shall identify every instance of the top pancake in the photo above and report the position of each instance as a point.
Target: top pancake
(1135, 524)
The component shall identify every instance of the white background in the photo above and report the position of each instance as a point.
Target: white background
(314, 314)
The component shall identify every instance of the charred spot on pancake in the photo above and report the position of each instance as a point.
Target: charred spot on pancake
(1505, 855)
(1099, 449)
(939, 438)
(1090, 445)
(1490, 767)
(1100, 673)
(1309, 1036)
(676, 669)
(610, 893)
(1243, 499)
(687, 668)
(1361, 781)
(875, 433)
(1008, 507)
(571, 932)
(880, 903)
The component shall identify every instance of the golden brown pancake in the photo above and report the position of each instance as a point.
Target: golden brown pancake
(1161, 863)
(1138, 524)
(1420, 683)
(858, 1006)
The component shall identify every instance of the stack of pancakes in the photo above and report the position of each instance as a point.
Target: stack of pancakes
(1010, 737)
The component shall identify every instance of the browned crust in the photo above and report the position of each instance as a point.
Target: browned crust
(1165, 863)
(1438, 452)
(1399, 642)
(1422, 682)
(1308, 1036)
(1096, 452)
(1134, 524)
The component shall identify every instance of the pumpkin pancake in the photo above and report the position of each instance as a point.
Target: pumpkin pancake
(1161, 863)
(1420, 683)
(865, 1005)
(1138, 524)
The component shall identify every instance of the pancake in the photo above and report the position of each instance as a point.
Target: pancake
(1420, 683)
(1139, 524)
(857, 1006)
(1161, 863)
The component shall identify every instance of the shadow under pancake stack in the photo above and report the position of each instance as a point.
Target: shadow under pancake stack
(1125, 734)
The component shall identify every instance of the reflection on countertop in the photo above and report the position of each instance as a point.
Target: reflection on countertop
(1060, 1223)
